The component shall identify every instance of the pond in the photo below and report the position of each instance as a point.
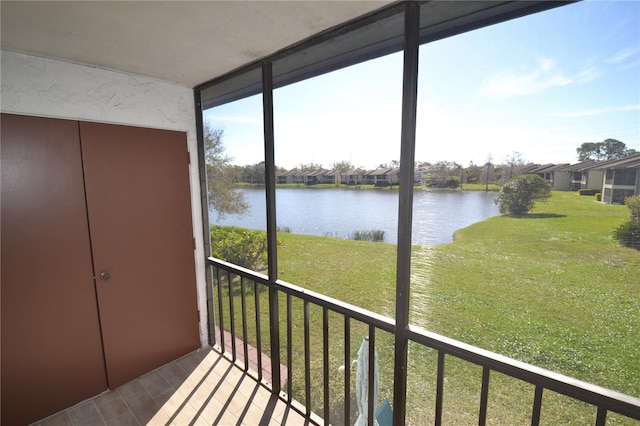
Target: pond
(338, 212)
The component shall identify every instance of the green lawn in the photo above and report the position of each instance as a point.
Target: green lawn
(480, 187)
(553, 289)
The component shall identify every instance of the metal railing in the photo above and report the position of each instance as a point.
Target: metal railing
(231, 282)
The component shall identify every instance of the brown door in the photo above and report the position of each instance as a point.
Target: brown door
(51, 349)
(137, 185)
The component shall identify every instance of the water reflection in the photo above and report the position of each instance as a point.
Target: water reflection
(340, 212)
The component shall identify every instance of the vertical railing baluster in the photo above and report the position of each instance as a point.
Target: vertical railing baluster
(601, 416)
(243, 295)
(347, 370)
(232, 319)
(484, 396)
(307, 359)
(258, 329)
(220, 310)
(372, 375)
(289, 348)
(325, 361)
(439, 388)
(537, 406)
(211, 309)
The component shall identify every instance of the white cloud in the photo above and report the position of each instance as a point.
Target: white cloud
(623, 55)
(511, 83)
(587, 75)
(599, 111)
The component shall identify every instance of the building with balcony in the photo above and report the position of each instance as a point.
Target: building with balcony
(113, 303)
(620, 178)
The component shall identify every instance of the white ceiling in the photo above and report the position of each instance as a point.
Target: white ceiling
(185, 42)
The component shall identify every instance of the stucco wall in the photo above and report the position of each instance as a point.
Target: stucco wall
(562, 181)
(51, 88)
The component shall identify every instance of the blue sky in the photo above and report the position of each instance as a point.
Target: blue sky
(540, 86)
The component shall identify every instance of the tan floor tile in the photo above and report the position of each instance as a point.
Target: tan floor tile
(235, 374)
(205, 389)
(154, 383)
(165, 396)
(173, 402)
(191, 361)
(110, 405)
(237, 404)
(86, 414)
(197, 422)
(227, 419)
(159, 418)
(254, 417)
(277, 409)
(139, 401)
(60, 419)
(126, 419)
(248, 387)
(173, 373)
(262, 396)
(224, 392)
(292, 418)
(182, 414)
(196, 379)
(210, 410)
(211, 391)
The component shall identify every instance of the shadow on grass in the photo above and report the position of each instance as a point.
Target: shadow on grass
(539, 216)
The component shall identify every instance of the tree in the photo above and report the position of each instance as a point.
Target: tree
(512, 161)
(472, 173)
(610, 149)
(520, 194)
(342, 166)
(254, 173)
(220, 176)
(488, 171)
(309, 167)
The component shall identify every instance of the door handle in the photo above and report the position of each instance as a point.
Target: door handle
(105, 276)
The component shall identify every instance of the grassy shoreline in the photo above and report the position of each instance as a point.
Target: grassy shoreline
(463, 187)
(553, 289)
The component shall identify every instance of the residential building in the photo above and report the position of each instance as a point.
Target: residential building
(382, 177)
(287, 176)
(353, 177)
(548, 172)
(621, 178)
(571, 177)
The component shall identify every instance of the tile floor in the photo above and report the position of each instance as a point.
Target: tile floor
(202, 388)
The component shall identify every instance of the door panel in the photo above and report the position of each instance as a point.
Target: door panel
(51, 348)
(137, 183)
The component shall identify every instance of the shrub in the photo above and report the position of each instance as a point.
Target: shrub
(598, 197)
(634, 205)
(241, 246)
(375, 236)
(628, 234)
(435, 181)
(520, 194)
(453, 182)
(588, 191)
